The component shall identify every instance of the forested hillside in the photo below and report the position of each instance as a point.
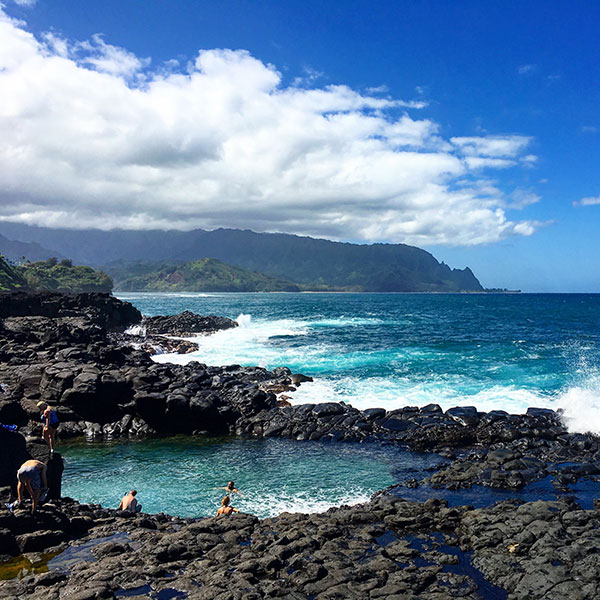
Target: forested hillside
(205, 275)
(316, 263)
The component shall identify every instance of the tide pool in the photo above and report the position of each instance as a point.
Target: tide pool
(179, 475)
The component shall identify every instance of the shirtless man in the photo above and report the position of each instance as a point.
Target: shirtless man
(130, 503)
(31, 476)
(225, 508)
(230, 489)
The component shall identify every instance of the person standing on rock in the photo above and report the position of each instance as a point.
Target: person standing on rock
(129, 502)
(51, 423)
(225, 508)
(31, 476)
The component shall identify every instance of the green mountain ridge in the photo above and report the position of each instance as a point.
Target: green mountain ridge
(204, 275)
(309, 262)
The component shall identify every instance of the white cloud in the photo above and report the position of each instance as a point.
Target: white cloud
(589, 201)
(529, 160)
(520, 199)
(494, 146)
(27, 3)
(308, 78)
(526, 69)
(378, 89)
(91, 137)
(107, 58)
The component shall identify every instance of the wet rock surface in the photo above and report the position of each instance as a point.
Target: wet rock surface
(167, 334)
(388, 548)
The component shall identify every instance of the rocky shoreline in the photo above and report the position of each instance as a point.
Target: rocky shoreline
(388, 548)
(71, 351)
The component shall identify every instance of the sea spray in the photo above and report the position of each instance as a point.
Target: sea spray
(137, 330)
(581, 404)
(244, 320)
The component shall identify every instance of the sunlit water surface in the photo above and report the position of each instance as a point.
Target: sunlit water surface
(492, 351)
(178, 475)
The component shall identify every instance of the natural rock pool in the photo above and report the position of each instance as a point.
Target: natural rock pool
(178, 475)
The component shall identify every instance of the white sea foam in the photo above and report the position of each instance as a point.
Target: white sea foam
(307, 502)
(248, 344)
(264, 343)
(136, 330)
(396, 393)
(581, 404)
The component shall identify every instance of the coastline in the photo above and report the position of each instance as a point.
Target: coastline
(80, 369)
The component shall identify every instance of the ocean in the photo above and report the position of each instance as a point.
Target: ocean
(492, 351)
(496, 351)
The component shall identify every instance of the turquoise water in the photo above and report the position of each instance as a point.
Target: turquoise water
(178, 475)
(492, 351)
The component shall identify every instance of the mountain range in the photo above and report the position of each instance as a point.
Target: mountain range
(313, 263)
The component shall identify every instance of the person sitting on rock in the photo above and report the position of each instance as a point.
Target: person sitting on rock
(230, 489)
(31, 476)
(225, 508)
(130, 503)
(51, 423)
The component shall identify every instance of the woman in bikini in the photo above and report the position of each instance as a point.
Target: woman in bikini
(51, 423)
(225, 508)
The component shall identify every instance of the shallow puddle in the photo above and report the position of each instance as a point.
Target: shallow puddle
(20, 566)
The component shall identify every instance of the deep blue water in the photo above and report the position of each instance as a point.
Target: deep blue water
(493, 351)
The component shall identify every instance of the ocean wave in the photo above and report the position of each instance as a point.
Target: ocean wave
(136, 330)
(396, 393)
(361, 370)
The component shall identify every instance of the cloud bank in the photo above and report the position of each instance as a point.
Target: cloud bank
(93, 136)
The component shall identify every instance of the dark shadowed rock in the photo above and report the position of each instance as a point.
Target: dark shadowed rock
(187, 323)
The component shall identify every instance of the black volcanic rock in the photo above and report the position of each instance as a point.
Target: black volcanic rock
(187, 323)
(388, 548)
(100, 308)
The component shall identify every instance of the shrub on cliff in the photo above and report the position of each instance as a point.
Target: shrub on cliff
(63, 276)
(10, 278)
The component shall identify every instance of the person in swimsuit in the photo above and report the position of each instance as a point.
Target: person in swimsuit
(225, 508)
(130, 503)
(230, 489)
(51, 423)
(31, 476)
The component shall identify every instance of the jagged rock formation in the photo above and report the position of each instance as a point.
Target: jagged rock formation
(59, 349)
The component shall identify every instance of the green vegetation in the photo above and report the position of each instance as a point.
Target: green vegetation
(10, 278)
(205, 275)
(63, 276)
(312, 264)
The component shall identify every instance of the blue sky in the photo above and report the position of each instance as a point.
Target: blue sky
(470, 128)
